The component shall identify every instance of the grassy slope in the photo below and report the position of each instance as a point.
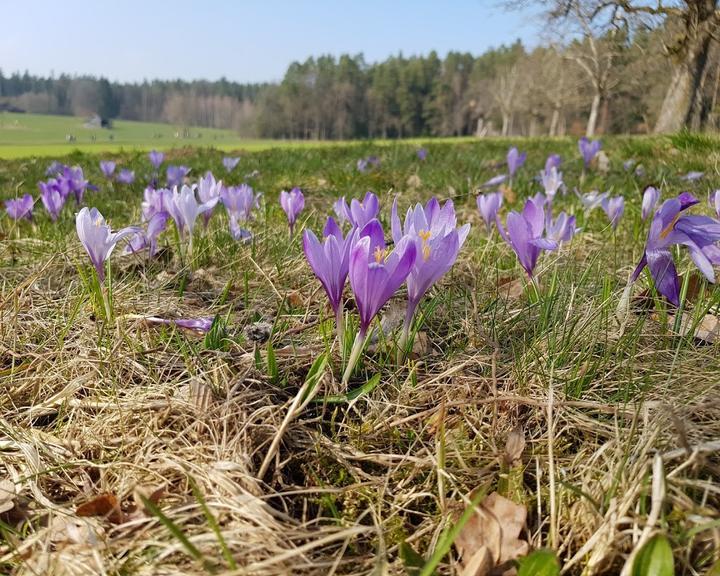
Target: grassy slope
(88, 409)
(23, 135)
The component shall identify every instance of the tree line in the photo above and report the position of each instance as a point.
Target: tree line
(630, 66)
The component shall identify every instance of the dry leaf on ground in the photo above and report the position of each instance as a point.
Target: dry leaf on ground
(492, 536)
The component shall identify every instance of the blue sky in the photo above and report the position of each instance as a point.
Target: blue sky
(243, 40)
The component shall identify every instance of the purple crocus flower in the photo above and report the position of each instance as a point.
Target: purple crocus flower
(239, 202)
(330, 261)
(292, 203)
(515, 160)
(360, 213)
(341, 209)
(551, 181)
(562, 229)
(628, 165)
(364, 164)
(553, 161)
(670, 227)
(588, 149)
(54, 168)
(375, 275)
(19, 208)
(154, 202)
(650, 199)
(126, 176)
(73, 180)
(591, 200)
(495, 181)
(200, 325)
(184, 209)
(230, 163)
(692, 176)
(107, 167)
(422, 154)
(176, 175)
(52, 198)
(614, 208)
(156, 158)
(437, 243)
(148, 238)
(525, 234)
(97, 238)
(208, 189)
(715, 202)
(488, 205)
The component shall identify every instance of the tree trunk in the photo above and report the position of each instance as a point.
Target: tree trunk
(592, 120)
(554, 121)
(505, 124)
(685, 102)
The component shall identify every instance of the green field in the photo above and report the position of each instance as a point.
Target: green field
(23, 135)
(228, 453)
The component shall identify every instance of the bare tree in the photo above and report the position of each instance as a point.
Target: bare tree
(504, 92)
(694, 27)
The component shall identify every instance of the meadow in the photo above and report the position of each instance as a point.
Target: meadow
(537, 426)
(23, 135)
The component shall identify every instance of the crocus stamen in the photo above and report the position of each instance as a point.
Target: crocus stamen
(669, 228)
(379, 255)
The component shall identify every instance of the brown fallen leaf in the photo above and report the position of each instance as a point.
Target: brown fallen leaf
(707, 330)
(511, 287)
(514, 446)
(106, 505)
(508, 193)
(414, 182)
(493, 530)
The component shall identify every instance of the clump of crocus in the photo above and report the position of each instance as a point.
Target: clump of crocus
(422, 154)
(200, 325)
(330, 261)
(515, 160)
(669, 227)
(591, 200)
(715, 202)
(437, 242)
(292, 203)
(184, 209)
(375, 275)
(20, 208)
(208, 189)
(359, 213)
(588, 150)
(54, 168)
(107, 167)
(614, 207)
(230, 163)
(156, 158)
(176, 175)
(52, 198)
(239, 202)
(126, 176)
(650, 199)
(72, 179)
(525, 234)
(148, 239)
(488, 205)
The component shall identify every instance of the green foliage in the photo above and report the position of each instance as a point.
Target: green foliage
(539, 563)
(655, 558)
